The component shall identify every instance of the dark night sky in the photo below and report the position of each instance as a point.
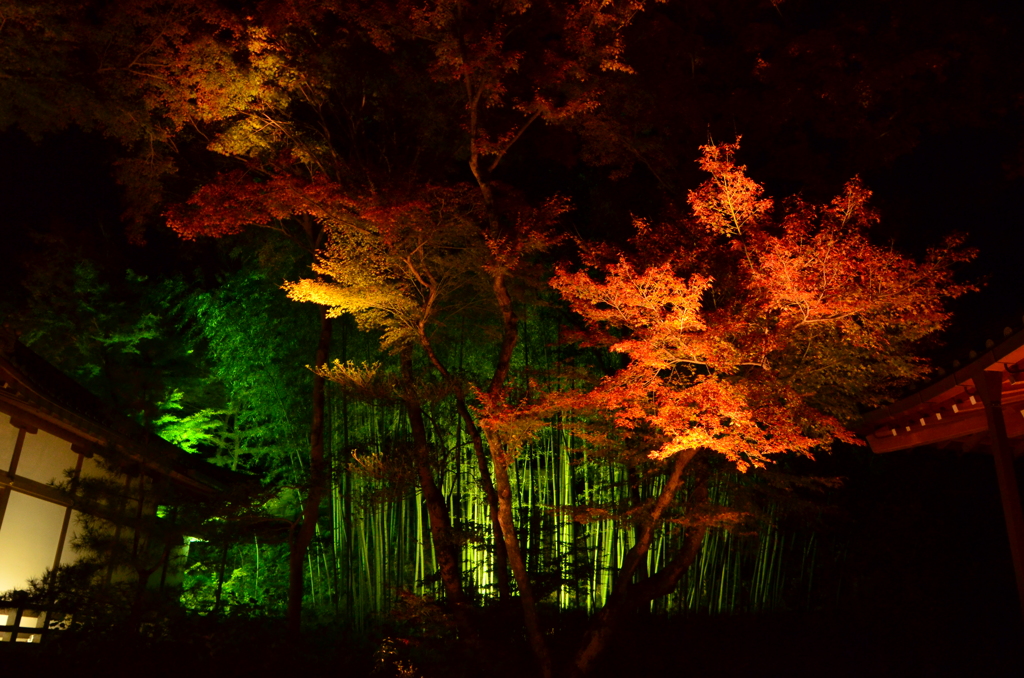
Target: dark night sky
(957, 183)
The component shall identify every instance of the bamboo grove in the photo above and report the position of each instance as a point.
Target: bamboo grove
(374, 552)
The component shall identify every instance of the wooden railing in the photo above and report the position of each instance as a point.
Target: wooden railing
(29, 623)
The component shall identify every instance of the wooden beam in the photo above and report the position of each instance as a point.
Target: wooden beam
(18, 422)
(34, 488)
(110, 445)
(990, 387)
(5, 492)
(24, 419)
(960, 426)
(998, 359)
(953, 427)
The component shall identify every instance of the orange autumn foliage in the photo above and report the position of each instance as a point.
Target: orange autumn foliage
(753, 330)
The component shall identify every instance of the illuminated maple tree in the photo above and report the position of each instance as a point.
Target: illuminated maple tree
(748, 329)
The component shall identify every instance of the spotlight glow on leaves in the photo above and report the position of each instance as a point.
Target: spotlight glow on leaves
(761, 336)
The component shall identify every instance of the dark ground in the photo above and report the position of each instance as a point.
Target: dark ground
(923, 586)
(797, 645)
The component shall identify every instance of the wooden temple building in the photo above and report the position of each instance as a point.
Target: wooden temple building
(977, 408)
(54, 435)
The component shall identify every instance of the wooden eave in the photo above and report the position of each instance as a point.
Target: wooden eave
(980, 405)
(30, 406)
(951, 409)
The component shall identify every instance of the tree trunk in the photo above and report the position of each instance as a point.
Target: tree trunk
(317, 485)
(500, 550)
(473, 431)
(625, 595)
(510, 335)
(437, 510)
(220, 575)
(500, 231)
(515, 558)
(138, 604)
(609, 619)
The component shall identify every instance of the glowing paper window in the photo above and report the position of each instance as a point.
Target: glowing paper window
(45, 457)
(30, 619)
(6, 617)
(28, 539)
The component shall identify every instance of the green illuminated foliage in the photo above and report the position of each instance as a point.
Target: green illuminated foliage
(252, 339)
(204, 427)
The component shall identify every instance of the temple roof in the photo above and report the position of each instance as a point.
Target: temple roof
(38, 394)
(950, 411)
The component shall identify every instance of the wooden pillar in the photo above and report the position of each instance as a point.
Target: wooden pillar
(5, 492)
(67, 517)
(990, 387)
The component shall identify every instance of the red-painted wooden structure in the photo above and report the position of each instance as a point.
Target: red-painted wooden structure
(979, 407)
